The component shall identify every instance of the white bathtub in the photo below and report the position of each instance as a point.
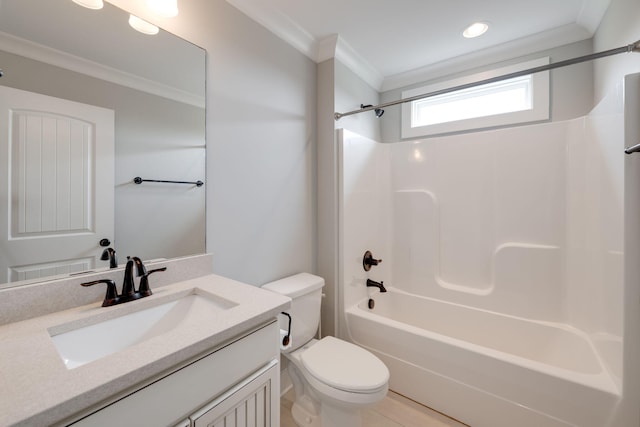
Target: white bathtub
(483, 368)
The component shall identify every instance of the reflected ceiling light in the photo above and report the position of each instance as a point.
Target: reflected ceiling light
(166, 8)
(476, 29)
(90, 4)
(143, 26)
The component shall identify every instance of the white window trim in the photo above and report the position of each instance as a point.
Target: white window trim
(538, 112)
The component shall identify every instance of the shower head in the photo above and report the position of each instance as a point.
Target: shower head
(379, 111)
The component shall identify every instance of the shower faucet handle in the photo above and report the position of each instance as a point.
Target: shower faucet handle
(368, 261)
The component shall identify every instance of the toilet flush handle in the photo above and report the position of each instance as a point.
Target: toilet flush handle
(287, 338)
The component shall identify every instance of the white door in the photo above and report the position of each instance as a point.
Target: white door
(56, 184)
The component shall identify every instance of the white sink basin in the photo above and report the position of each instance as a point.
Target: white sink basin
(86, 344)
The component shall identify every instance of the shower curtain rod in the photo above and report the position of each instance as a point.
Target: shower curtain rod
(633, 47)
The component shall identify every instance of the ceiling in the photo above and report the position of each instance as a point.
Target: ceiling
(391, 43)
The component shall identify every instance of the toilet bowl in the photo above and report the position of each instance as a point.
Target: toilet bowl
(332, 379)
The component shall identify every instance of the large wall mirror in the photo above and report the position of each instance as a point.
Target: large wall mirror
(87, 104)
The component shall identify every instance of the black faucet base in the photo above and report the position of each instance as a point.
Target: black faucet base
(122, 299)
(128, 287)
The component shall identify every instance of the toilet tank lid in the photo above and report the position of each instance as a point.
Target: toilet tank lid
(296, 285)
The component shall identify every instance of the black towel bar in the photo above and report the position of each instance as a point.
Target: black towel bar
(139, 180)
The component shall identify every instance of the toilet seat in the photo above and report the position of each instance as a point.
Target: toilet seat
(344, 366)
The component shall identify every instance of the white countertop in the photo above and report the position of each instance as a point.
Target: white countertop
(38, 390)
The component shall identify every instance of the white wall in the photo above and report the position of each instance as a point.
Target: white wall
(524, 221)
(478, 219)
(261, 137)
(365, 224)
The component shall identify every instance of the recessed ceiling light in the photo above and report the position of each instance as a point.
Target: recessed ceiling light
(90, 4)
(143, 26)
(476, 29)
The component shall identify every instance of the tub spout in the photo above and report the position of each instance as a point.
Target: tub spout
(372, 284)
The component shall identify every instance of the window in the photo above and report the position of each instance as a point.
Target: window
(517, 100)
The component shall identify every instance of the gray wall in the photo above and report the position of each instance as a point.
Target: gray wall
(571, 87)
(350, 92)
(327, 201)
(620, 26)
(261, 142)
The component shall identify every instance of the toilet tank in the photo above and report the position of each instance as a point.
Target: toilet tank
(305, 291)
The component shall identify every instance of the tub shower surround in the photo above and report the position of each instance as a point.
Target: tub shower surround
(503, 258)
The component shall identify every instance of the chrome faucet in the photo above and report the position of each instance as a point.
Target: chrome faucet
(129, 292)
(372, 284)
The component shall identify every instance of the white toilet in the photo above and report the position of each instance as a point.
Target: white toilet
(332, 379)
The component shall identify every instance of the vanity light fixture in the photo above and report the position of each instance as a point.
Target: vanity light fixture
(166, 8)
(143, 26)
(475, 30)
(90, 4)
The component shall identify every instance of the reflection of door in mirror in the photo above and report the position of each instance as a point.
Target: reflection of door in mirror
(54, 150)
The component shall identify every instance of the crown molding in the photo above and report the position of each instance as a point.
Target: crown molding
(58, 58)
(279, 24)
(316, 50)
(333, 46)
(592, 13)
(356, 63)
(567, 34)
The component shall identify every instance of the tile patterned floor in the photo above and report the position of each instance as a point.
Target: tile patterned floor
(394, 411)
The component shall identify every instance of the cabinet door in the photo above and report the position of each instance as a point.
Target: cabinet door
(248, 404)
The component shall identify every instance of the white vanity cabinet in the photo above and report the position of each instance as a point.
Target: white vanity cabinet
(237, 384)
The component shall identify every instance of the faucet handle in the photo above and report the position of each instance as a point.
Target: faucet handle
(368, 261)
(111, 296)
(144, 288)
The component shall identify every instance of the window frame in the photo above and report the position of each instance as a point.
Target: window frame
(540, 109)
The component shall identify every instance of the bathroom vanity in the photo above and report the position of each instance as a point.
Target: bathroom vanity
(194, 353)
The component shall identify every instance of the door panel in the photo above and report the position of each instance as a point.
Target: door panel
(57, 183)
